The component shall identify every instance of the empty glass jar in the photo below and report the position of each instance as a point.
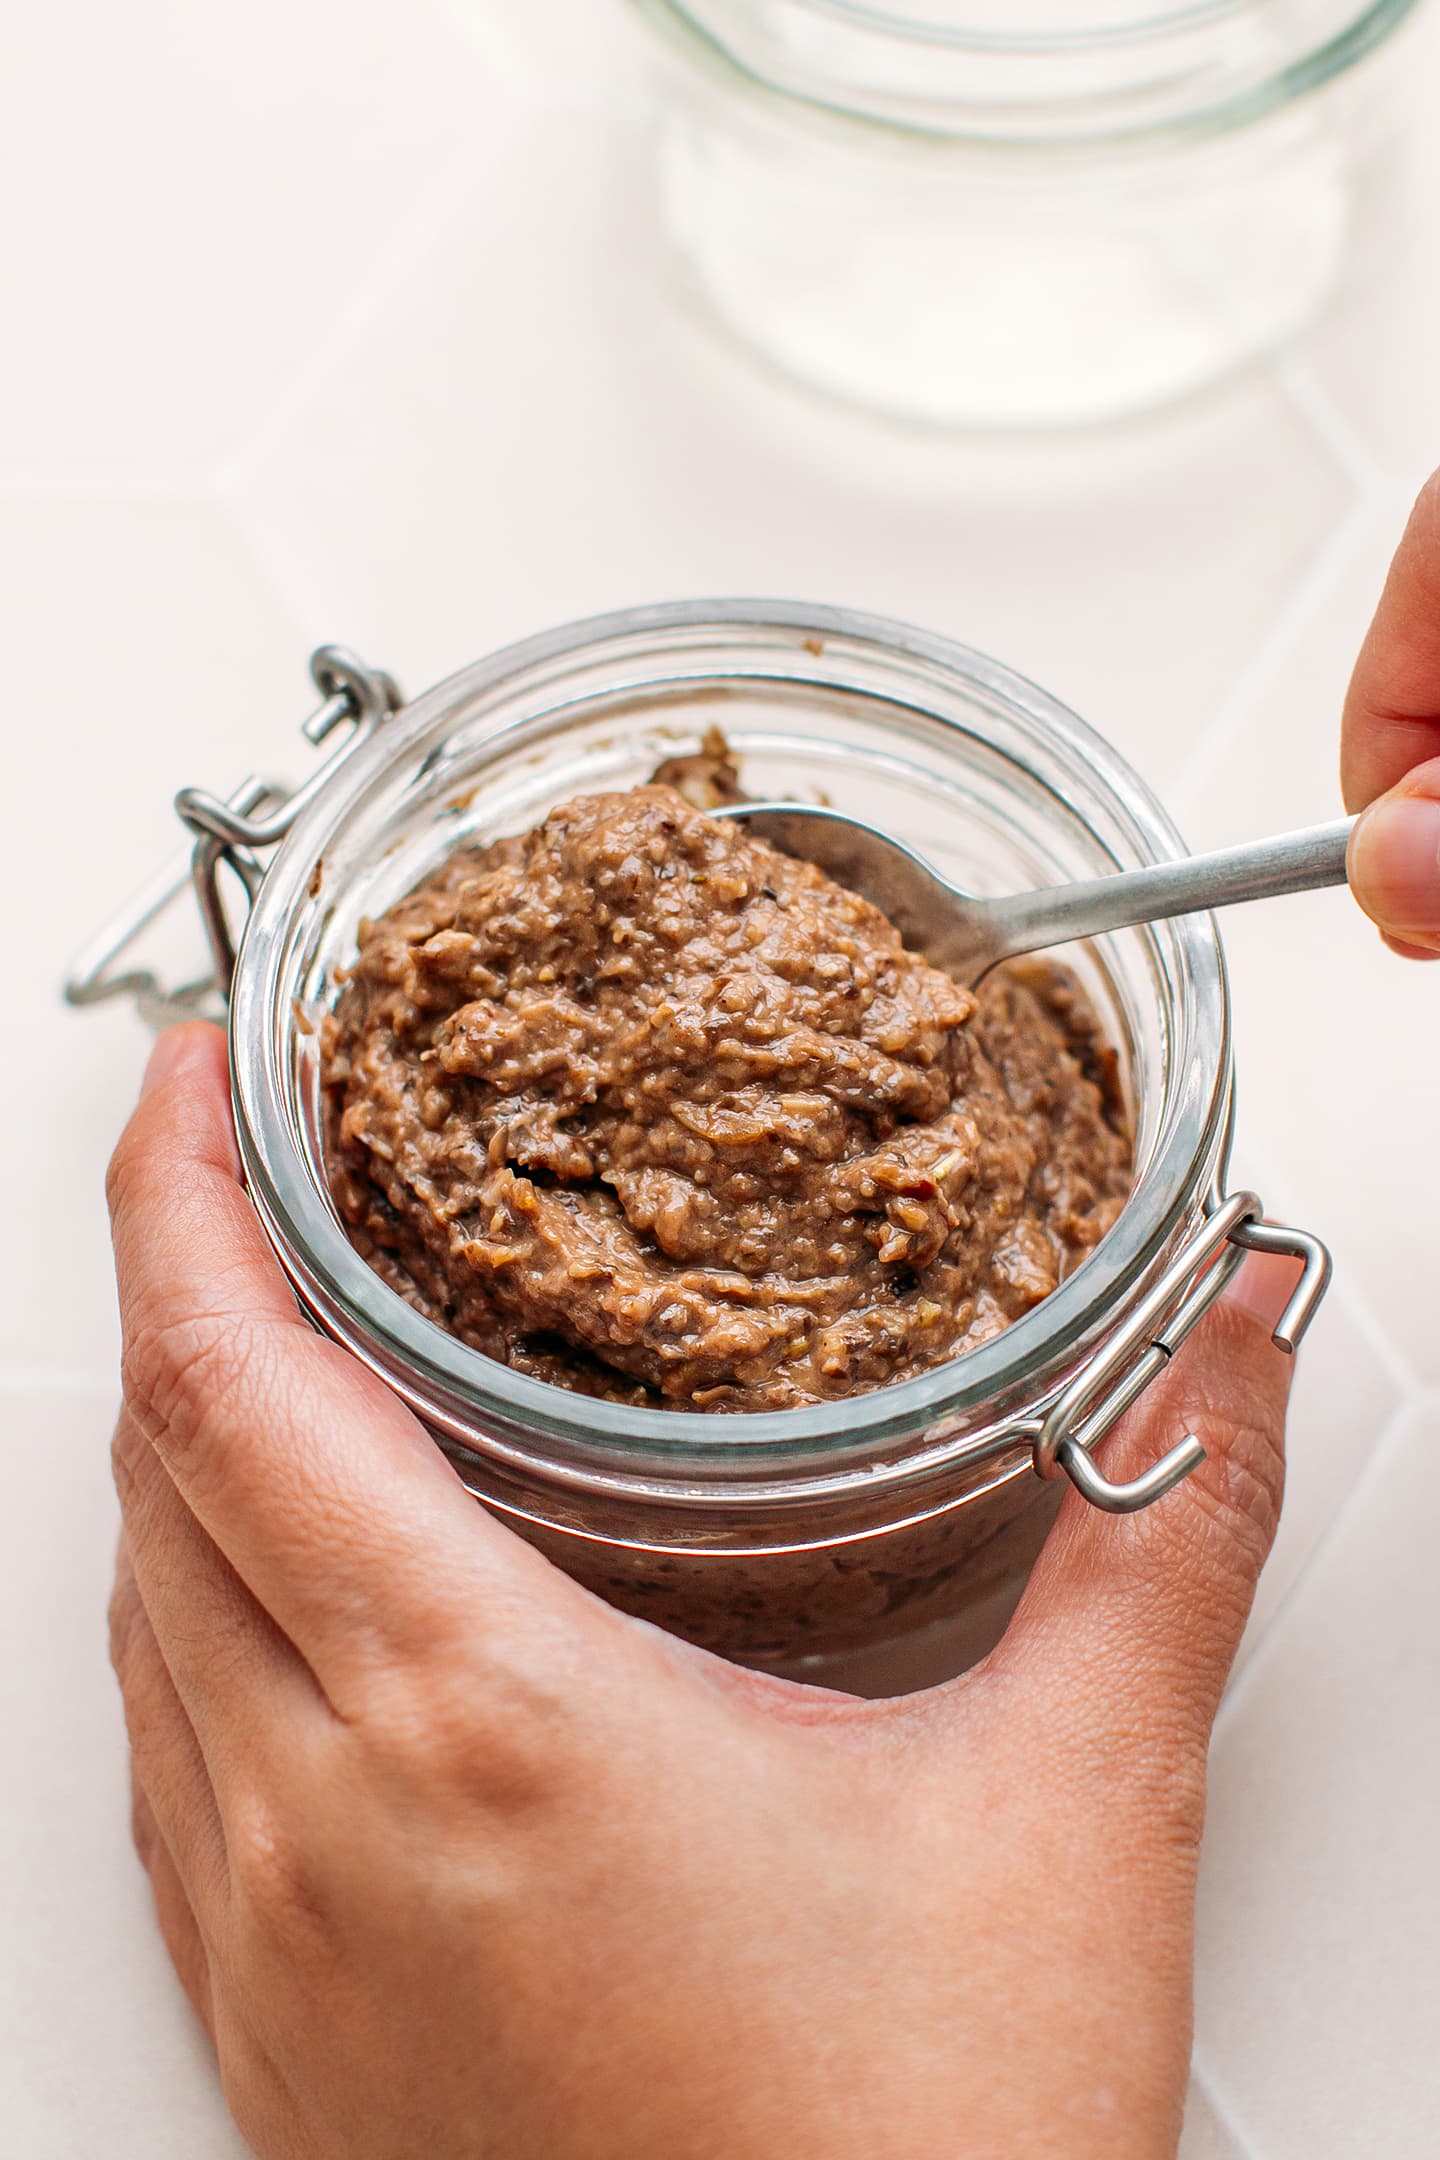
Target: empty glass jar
(1014, 212)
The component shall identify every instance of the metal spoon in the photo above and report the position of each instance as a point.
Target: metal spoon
(967, 936)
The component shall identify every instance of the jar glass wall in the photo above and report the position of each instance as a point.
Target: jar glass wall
(973, 213)
(800, 1537)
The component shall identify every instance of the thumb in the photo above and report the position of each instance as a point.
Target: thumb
(1130, 1624)
(1395, 862)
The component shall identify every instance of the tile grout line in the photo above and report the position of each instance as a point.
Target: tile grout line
(1325, 573)
(368, 294)
(431, 214)
(1219, 2106)
(206, 480)
(1328, 428)
(534, 70)
(1407, 1382)
(1409, 1391)
(239, 514)
(1391, 1436)
(1278, 1192)
(232, 481)
(492, 40)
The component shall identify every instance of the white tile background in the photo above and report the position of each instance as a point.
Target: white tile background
(340, 321)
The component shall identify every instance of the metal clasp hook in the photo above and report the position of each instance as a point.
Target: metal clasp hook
(256, 814)
(1175, 1305)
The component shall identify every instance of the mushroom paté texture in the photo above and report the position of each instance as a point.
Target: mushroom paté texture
(645, 1108)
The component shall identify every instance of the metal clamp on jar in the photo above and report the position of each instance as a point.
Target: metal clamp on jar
(795, 1539)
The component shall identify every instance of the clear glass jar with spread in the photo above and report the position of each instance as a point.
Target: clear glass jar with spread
(1014, 212)
(859, 1541)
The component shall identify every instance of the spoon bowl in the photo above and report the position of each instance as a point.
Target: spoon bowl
(967, 936)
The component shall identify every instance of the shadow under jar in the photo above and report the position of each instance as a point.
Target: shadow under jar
(880, 1541)
(1016, 212)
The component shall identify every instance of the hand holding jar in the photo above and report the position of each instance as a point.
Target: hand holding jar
(1390, 757)
(453, 1858)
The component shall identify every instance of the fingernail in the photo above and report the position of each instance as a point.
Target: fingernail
(1430, 951)
(1395, 863)
(168, 1050)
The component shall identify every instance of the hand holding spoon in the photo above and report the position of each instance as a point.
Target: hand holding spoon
(967, 936)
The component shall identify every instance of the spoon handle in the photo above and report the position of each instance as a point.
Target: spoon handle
(1292, 862)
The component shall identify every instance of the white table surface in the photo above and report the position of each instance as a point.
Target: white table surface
(341, 321)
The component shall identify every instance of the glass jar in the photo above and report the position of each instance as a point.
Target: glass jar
(988, 212)
(831, 1541)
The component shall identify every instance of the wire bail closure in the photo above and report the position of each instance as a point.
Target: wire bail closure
(1077, 1421)
(228, 831)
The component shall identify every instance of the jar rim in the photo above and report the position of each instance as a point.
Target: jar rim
(818, 58)
(448, 1380)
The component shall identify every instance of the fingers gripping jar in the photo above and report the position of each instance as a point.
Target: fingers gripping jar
(832, 1541)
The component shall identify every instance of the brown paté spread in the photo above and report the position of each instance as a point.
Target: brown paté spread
(645, 1108)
